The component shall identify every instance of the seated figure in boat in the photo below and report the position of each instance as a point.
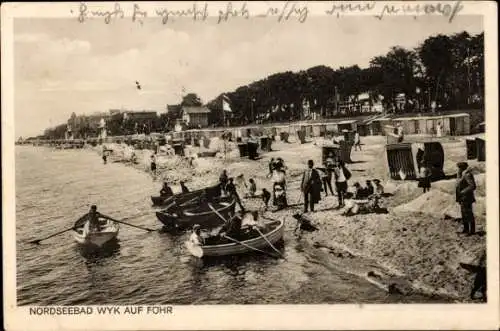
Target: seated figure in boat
(166, 191)
(240, 226)
(233, 227)
(91, 219)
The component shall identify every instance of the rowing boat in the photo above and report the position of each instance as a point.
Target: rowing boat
(181, 198)
(109, 231)
(182, 218)
(274, 232)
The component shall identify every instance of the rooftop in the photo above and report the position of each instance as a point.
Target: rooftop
(196, 110)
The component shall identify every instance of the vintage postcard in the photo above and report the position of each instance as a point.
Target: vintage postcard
(250, 165)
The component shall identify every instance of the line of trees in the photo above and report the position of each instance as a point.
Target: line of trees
(444, 70)
(447, 70)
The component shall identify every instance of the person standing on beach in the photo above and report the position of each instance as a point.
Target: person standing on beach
(327, 180)
(311, 187)
(233, 193)
(357, 141)
(266, 196)
(425, 181)
(223, 180)
(153, 165)
(420, 159)
(271, 167)
(464, 192)
(342, 175)
(253, 188)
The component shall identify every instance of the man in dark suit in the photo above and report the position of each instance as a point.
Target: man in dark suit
(311, 186)
(465, 188)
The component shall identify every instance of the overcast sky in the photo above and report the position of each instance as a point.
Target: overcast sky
(62, 66)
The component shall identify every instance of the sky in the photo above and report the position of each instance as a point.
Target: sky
(63, 66)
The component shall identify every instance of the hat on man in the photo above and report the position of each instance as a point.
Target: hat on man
(462, 165)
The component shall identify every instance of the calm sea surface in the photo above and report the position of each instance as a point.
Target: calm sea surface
(54, 188)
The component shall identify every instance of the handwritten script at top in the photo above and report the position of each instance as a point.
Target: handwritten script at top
(282, 12)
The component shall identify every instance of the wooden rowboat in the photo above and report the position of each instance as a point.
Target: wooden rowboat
(181, 198)
(273, 234)
(109, 231)
(182, 218)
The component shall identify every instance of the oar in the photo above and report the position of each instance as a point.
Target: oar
(37, 241)
(132, 225)
(270, 244)
(188, 202)
(215, 211)
(248, 246)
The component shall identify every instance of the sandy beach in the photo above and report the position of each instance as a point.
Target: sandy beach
(416, 247)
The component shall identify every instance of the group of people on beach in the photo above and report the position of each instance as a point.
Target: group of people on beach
(315, 180)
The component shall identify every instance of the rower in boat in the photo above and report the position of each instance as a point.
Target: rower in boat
(232, 227)
(92, 217)
(241, 226)
(166, 191)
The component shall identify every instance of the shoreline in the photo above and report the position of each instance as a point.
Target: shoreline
(411, 250)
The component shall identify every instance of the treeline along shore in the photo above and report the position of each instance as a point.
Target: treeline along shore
(443, 73)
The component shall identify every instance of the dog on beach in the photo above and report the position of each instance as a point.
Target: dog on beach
(303, 223)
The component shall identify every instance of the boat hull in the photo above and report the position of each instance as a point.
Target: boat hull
(206, 220)
(96, 239)
(180, 198)
(273, 236)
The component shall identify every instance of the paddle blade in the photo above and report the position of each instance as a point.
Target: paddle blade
(193, 249)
